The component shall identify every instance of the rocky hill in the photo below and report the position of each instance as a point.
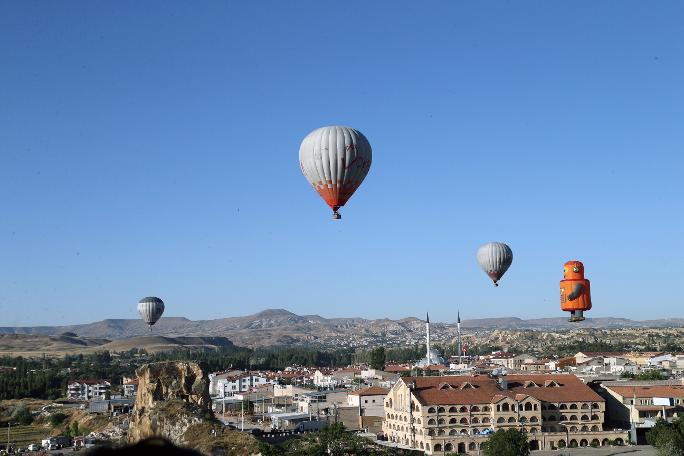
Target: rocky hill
(32, 344)
(280, 327)
(173, 403)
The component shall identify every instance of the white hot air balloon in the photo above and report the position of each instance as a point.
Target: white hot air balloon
(335, 160)
(150, 310)
(495, 258)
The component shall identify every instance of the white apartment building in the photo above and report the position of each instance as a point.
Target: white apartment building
(88, 389)
(228, 384)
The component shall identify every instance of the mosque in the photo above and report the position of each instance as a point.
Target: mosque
(432, 356)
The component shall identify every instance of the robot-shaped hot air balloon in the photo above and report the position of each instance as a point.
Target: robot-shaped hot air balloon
(575, 292)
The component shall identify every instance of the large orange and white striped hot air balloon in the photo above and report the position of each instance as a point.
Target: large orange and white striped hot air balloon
(335, 160)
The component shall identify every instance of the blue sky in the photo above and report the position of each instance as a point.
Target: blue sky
(152, 149)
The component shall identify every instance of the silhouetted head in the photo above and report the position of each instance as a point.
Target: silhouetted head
(573, 270)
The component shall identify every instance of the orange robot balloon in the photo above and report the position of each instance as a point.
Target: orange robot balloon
(575, 291)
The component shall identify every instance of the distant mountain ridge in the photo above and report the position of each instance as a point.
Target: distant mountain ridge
(281, 327)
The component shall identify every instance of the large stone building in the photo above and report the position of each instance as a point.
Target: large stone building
(456, 413)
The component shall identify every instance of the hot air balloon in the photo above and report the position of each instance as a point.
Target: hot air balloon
(150, 310)
(335, 160)
(575, 291)
(495, 258)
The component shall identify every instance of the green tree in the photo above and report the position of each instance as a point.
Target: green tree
(377, 360)
(57, 418)
(510, 442)
(22, 415)
(651, 375)
(668, 438)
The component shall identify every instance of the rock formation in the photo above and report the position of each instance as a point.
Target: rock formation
(172, 396)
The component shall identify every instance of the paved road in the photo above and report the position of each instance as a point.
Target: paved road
(640, 450)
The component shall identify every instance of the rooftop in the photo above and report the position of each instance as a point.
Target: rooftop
(481, 389)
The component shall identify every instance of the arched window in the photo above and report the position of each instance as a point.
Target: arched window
(441, 421)
(534, 419)
(441, 410)
(505, 407)
(573, 406)
(431, 432)
(573, 443)
(406, 419)
(464, 421)
(452, 409)
(563, 407)
(475, 420)
(440, 432)
(430, 410)
(472, 446)
(595, 443)
(501, 420)
(573, 417)
(498, 407)
(475, 408)
(561, 443)
(453, 421)
(511, 420)
(573, 428)
(438, 447)
(533, 430)
(594, 417)
(585, 406)
(584, 418)
(463, 409)
(464, 432)
(427, 446)
(584, 443)
(528, 406)
(453, 432)
(390, 402)
(388, 416)
(448, 447)
(523, 419)
(563, 418)
(418, 421)
(431, 422)
(476, 431)
(486, 408)
(485, 420)
(422, 447)
(594, 405)
(594, 428)
(585, 429)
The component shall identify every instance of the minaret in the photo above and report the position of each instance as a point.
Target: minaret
(427, 345)
(458, 326)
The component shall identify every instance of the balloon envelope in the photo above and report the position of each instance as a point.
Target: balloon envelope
(335, 160)
(495, 258)
(150, 309)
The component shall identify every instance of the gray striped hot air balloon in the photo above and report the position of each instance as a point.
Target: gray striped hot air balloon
(495, 258)
(335, 160)
(150, 310)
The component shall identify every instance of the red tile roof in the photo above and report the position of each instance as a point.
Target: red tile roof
(431, 390)
(649, 390)
(370, 391)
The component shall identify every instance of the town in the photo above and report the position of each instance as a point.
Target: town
(435, 404)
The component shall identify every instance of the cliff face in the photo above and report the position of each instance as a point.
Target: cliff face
(172, 396)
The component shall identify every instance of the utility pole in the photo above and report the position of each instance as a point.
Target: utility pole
(242, 415)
